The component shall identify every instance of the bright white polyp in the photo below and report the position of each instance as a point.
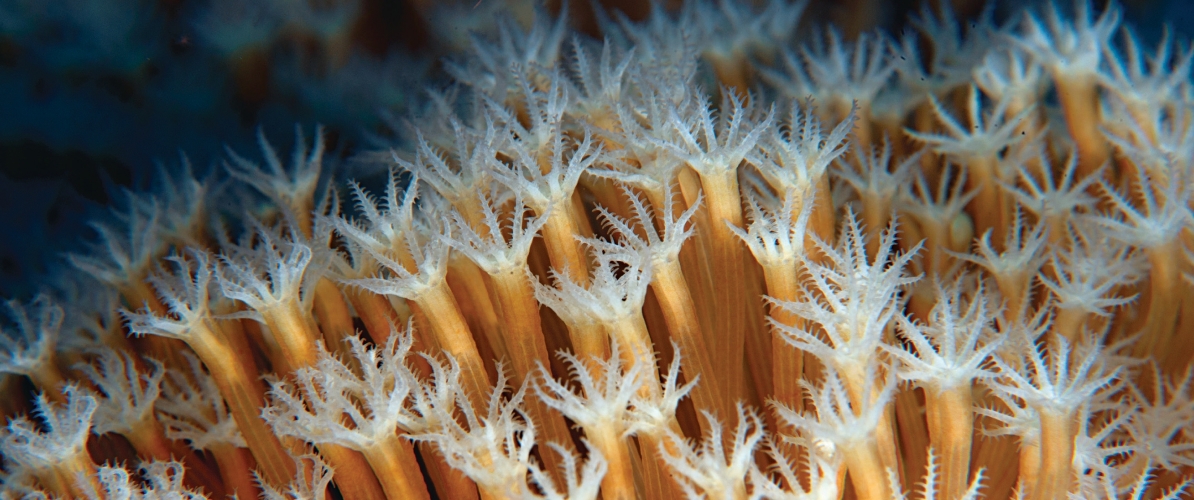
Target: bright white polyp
(600, 84)
(121, 257)
(957, 46)
(1069, 47)
(645, 121)
(1010, 75)
(1059, 379)
(939, 207)
(424, 244)
(656, 414)
(162, 481)
(195, 411)
(186, 292)
(657, 248)
(849, 73)
(1091, 274)
(492, 251)
(1163, 214)
(796, 154)
(310, 481)
(608, 298)
(836, 419)
(581, 482)
(1160, 419)
(1023, 252)
(735, 28)
(270, 274)
(493, 449)
(382, 225)
(772, 236)
(532, 49)
(544, 112)
(355, 406)
(783, 481)
(1146, 93)
(1162, 144)
(64, 440)
(433, 398)
(1036, 191)
(928, 488)
(952, 349)
(705, 468)
(984, 135)
(868, 172)
(601, 402)
(128, 396)
(853, 297)
(714, 143)
(550, 189)
(454, 177)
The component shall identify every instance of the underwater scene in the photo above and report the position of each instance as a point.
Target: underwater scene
(603, 249)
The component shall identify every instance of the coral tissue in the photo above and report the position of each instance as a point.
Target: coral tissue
(715, 255)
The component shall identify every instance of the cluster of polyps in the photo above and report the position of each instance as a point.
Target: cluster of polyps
(997, 312)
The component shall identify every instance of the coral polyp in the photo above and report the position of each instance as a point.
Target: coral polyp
(705, 257)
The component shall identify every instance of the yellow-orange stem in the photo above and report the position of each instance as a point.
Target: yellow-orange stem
(449, 482)
(394, 462)
(238, 381)
(353, 477)
(635, 347)
(528, 350)
(567, 255)
(787, 360)
(1079, 96)
(679, 312)
(854, 378)
(236, 466)
(988, 205)
(1057, 455)
(867, 471)
(332, 315)
(913, 431)
(724, 206)
(1068, 323)
(468, 284)
(453, 336)
(375, 312)
(1163, 301)
(295, 336)
(951, 428)
(618, 483)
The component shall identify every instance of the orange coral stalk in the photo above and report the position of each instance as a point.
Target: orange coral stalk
(524, 335)
(245, 395)
(679, 312)
(454, 337)
(395, 460)
(1079, 95)
(1056, 477)
(235, 465)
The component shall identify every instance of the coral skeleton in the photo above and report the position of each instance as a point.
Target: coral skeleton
(710, 256)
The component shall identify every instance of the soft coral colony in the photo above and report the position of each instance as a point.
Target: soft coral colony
(951, 265)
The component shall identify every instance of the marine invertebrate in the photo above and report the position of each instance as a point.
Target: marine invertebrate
(706, 264)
